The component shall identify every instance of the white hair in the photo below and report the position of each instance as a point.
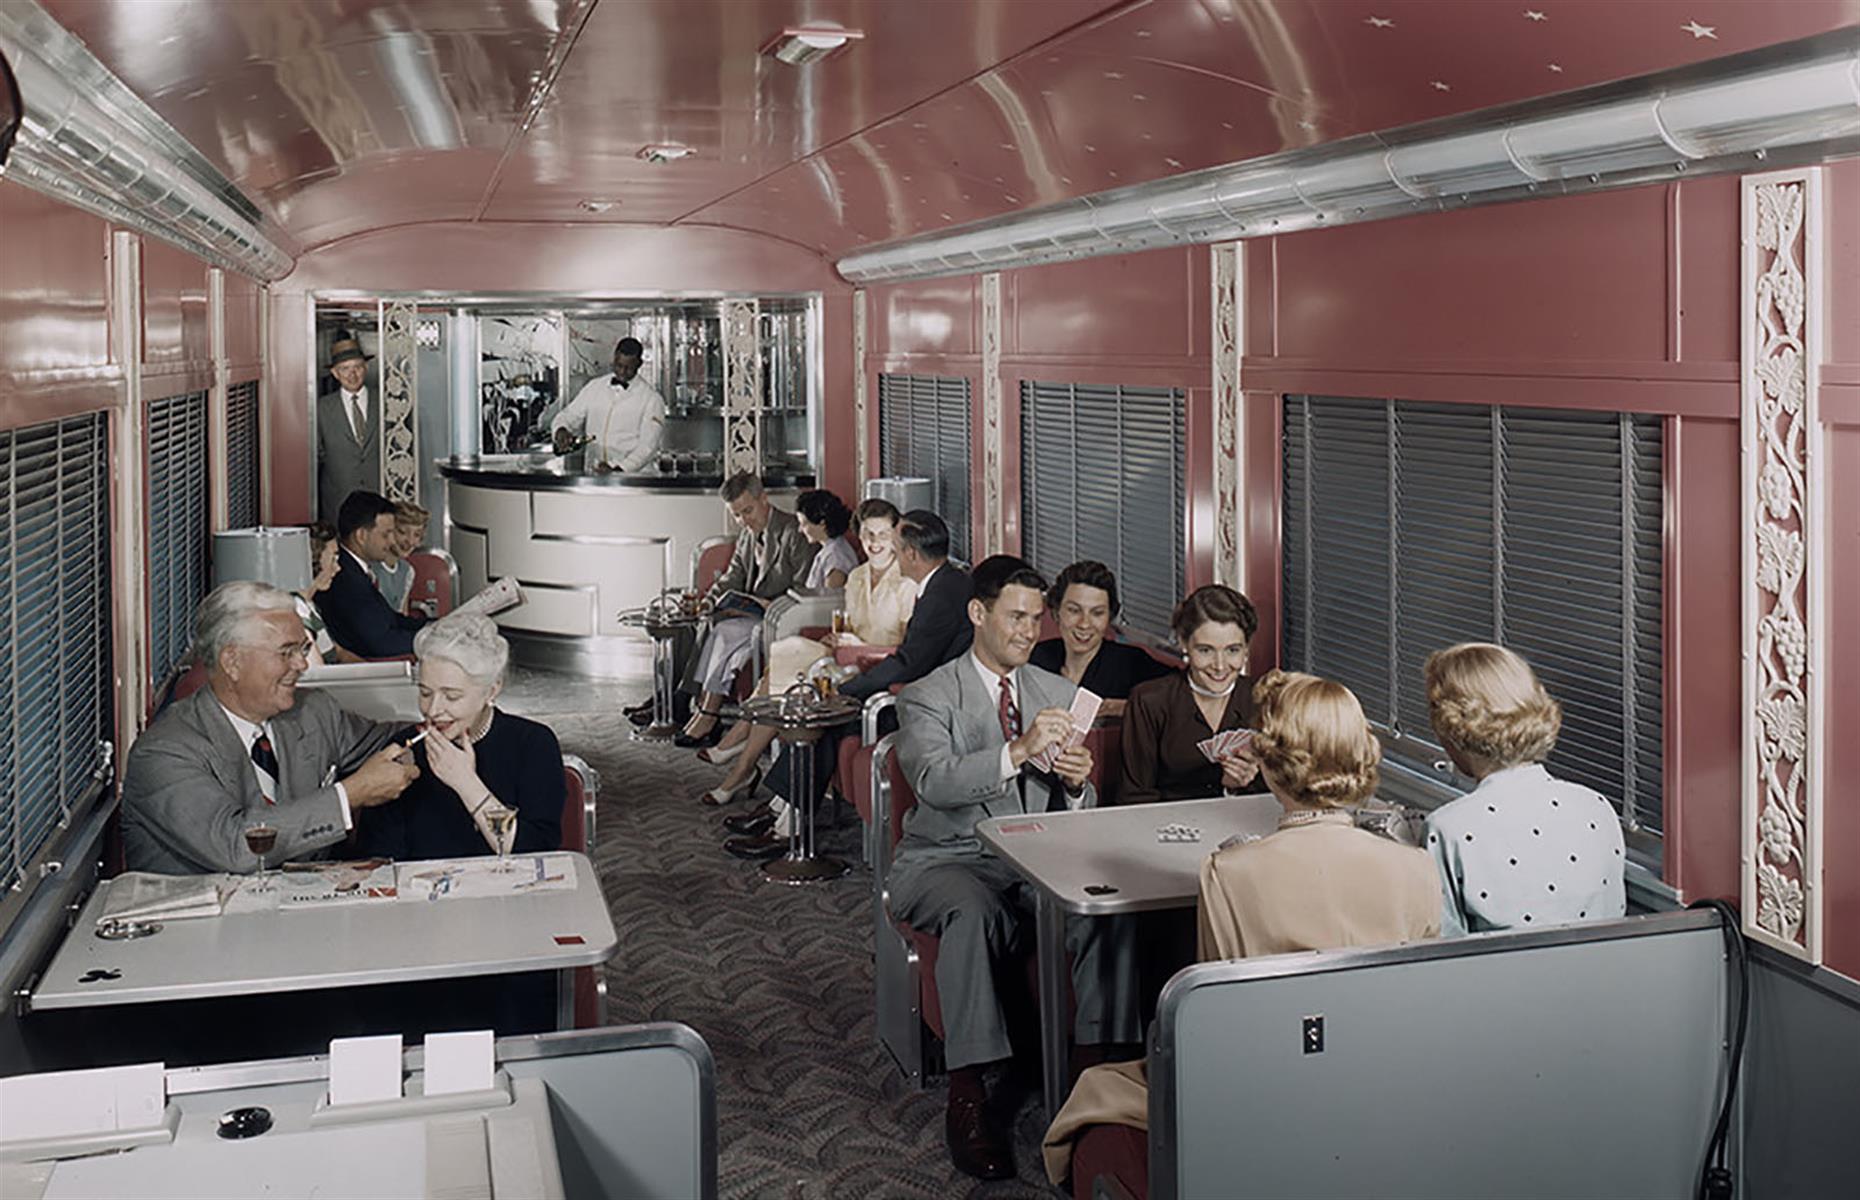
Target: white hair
(230, 614)
(470, 641)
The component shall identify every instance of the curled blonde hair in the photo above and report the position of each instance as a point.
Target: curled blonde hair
(1488, 707)
(1314, 744)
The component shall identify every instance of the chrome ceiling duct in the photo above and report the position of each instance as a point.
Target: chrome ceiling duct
(1778, 106)
(87, 140)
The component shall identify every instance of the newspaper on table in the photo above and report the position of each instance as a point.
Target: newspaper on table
(478, 878)
(495, 598)
(314, 884)
(1085, 707)
(142, 896)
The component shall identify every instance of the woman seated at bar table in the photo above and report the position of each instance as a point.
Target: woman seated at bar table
(1523, 849)
(1167, 718)
(1316, 883)
(878, 604)
(475, 761)
(1083, 600)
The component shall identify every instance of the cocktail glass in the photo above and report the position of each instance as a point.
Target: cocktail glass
(261, 839)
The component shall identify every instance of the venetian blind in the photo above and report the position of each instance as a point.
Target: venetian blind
(242, 464)
(1409, 527)
(924, 430)
(54, 628)
(177, 526)
(1102, 478)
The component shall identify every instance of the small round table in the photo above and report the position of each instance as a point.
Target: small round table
(663, 620)
(799, 716)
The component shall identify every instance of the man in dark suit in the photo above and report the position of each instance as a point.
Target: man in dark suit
(965, 734)
(249, 749)
(348, 430)
(359, 619)
(939, 630)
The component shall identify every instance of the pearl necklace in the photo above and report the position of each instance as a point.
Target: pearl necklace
(477, 734)
(1201, 691)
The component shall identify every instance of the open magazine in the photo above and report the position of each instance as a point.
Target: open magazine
(738, 604)
(495, 598)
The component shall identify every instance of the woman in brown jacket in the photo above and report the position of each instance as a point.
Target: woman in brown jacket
(1168, 717)
(1316, 883)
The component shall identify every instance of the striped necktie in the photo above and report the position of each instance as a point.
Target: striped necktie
(265, 761)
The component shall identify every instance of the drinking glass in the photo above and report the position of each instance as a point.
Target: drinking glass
(839, 621)
(261, 839)
(502, 821)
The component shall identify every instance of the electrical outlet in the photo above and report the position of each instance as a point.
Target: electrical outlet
(1314, 1034)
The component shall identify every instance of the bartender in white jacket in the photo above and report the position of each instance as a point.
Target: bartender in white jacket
(624, 413)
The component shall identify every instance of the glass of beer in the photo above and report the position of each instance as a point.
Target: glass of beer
(839, 621)
(261, 839)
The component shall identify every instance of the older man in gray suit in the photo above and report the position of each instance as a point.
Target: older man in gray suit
(965, 734)
(348, 430)
(248, 749)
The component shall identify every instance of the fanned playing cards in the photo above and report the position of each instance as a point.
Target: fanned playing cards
(1084, 711)
(1225, 744)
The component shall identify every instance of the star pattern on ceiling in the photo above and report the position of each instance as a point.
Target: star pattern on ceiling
(1555, 68)
(1700, 31)
(1379, 22)
(1440, 86)
(1531, 14)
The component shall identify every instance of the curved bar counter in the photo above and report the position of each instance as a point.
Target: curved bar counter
(583, 546)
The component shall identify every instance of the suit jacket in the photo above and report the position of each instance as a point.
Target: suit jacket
(783, 567)
(343, 463)
(939, 631)
(190, 790)
(949, 745)
(359, 617)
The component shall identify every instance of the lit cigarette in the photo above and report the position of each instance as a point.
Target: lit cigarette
(416, 739)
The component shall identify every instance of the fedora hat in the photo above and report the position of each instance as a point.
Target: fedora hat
(346, 349)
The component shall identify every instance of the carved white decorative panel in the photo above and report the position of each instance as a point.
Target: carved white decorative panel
(862, 418)
(994, 515)
(742, 389)
(1784, 560)
(1225, 276)
(400, 465)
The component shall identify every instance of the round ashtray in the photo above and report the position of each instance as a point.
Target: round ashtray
(127, 931)
(237, 1123)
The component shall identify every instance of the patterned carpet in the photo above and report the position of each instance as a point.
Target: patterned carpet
(778, 980)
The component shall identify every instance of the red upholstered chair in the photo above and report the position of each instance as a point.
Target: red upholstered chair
(1116, 1155)
(708, 560)
(582, 790)
(1106, 743)
(191, 681)
(435, 581)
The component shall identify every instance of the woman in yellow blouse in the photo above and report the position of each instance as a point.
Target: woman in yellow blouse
(878, 604)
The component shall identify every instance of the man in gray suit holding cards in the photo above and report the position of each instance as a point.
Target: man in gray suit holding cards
(971, 735)
(249, 751)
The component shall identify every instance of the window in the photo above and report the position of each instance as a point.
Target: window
(242, 455)
(1409, 527)
(924, 430)
(54, 628)
(177, 552)
(1102, 478)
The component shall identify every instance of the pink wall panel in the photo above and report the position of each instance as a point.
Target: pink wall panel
(1260, 418)
(935, 316)
(285, 422)
(1146, 307)
(1703, 269)
(54, 297)
(1576, 280)
(242, 325)
(1841, 780)
(1843, 224)
(841, 469)
(174, 307)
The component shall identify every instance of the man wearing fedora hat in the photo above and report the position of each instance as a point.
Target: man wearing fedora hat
(348, 437)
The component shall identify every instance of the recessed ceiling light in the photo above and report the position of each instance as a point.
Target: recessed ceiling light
(664, 152)
(800, 47)
(596, 205)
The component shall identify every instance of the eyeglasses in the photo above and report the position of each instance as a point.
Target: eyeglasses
(289, 653)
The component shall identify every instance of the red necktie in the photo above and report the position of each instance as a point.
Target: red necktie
(1010, 712)
(266, 760)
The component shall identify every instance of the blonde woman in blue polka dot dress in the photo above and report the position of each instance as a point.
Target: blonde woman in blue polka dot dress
(1523, 849)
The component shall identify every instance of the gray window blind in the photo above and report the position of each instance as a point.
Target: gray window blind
(1102, 478)
(242, 455)
(177, 526)
(1409, 527)
(924, 430)
(54, 627)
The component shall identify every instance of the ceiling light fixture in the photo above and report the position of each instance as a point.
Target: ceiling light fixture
(803, 47)
(664, 152)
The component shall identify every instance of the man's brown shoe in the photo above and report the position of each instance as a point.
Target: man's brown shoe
(975, 1145)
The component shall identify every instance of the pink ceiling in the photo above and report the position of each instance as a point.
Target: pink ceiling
(339, 116)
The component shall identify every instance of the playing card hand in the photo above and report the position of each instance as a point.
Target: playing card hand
(1073, 766)
(1238, 770)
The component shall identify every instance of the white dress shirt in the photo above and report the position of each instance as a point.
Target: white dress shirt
(249, 733)
(626, 421)
(991, 683)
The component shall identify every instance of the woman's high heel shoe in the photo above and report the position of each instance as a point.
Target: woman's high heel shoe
(717, 797)
(720, 756)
